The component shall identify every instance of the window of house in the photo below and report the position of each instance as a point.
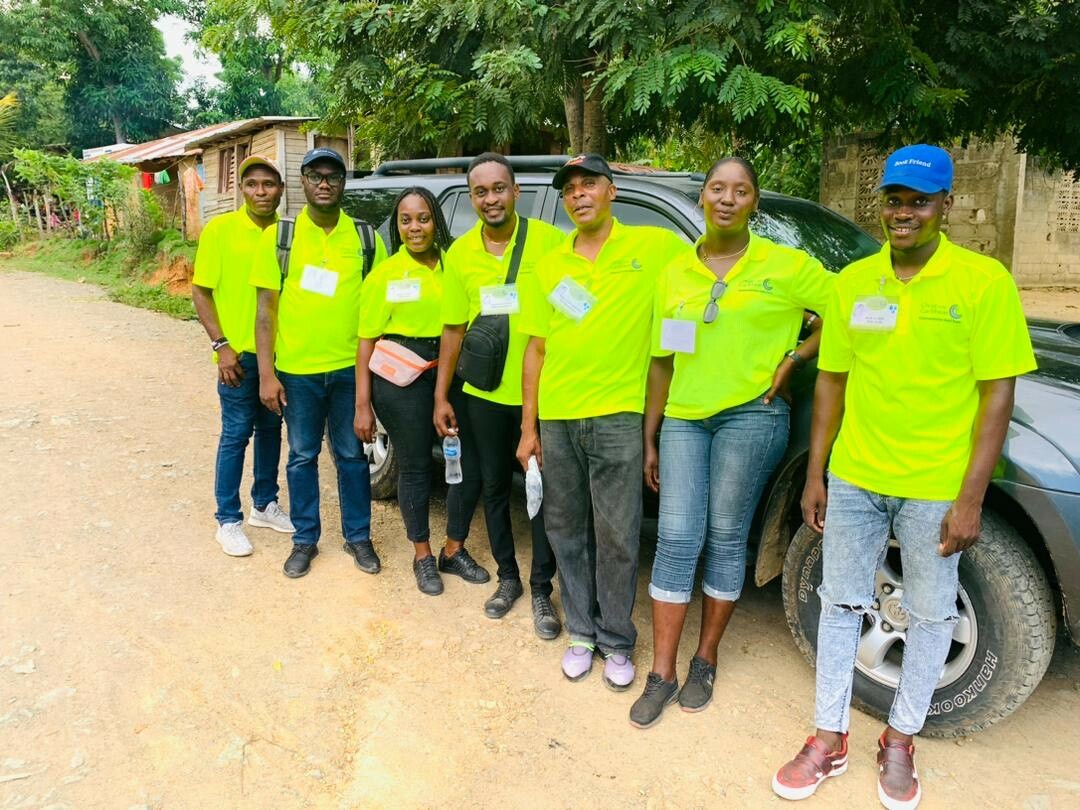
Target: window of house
(225, 171)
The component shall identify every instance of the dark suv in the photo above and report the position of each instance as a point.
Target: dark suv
(1024, 572)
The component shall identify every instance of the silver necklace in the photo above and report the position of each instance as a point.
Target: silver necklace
(707, 258)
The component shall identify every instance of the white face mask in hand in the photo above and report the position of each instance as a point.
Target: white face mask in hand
(534, 488)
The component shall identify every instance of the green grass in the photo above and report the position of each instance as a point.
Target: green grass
(113, 266)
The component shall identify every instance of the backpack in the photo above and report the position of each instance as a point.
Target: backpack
(286, 227)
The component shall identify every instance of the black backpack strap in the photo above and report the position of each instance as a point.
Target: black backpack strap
(519, 248)
(286, 227)
(367, 240)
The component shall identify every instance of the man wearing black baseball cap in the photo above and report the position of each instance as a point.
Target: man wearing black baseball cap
(306, 333)
(588, 312)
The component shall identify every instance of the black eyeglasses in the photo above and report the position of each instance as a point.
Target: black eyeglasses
(712, 309)
(333, 180)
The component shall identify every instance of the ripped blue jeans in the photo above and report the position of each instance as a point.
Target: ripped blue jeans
(858, 524)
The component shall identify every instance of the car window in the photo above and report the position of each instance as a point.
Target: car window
(460, 215)
(825, 235)
(628, 213)
(372, 205)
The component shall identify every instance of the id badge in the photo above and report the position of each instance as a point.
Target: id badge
(678, 336)
(499, 299)
(571, 299)
(874, 313)
(319, 280)
(403, 290)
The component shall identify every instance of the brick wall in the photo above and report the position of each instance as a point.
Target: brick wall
(1047, 249)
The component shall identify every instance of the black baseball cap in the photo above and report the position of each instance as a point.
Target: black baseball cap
(322, 153)
(590, 163)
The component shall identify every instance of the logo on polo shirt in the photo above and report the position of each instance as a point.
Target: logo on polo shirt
(766, 285)
(940, 312)
(635, 264)
(954, 312)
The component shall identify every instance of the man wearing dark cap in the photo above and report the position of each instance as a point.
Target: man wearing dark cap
(225, 303)
(920, 351)
(306, 330)
(588, 312)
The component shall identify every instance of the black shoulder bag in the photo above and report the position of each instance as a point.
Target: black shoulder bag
(487, 340)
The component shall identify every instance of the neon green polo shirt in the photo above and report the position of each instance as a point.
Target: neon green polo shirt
(385, 314)
(598, 365)
(911, 394)
(469, 267)
(223, 264)
(760, 315)
(316, 324)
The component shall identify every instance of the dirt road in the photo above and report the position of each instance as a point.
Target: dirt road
(142, 668)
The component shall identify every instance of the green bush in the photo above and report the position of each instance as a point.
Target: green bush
(9, 234)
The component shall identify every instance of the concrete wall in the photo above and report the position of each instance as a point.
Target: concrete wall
(1047, 247)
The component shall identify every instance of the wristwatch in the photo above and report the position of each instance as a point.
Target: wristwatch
(216, 345)
(796, 358)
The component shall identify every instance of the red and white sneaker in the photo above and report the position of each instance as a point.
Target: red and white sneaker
(799, 778)
(898, 782)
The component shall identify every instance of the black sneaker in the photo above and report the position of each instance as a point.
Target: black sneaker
(696, 693)
(427, 576)
(500, 602)
(545, 619)
(363, 552)
(463, 565)
(658, 693)
(299, 562)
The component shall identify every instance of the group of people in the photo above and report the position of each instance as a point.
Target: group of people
(612, 353)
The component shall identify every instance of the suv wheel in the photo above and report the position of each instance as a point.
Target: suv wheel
(1001, 645)
(382, 464)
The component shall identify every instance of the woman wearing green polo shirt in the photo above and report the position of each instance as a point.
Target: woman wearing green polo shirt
(401, 308)
(726, 321)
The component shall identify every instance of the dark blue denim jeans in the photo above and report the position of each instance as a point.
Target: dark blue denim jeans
(592, 513)
(242, 414)
(314, 402)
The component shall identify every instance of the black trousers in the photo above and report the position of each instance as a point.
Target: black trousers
(496, 432)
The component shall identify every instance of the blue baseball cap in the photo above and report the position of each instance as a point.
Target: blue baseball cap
(322, 153)
(921, 167)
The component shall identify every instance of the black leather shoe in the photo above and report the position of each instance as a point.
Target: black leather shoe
(463, 565)
(545, 620)
(503, 599)
(299, 561)
(363, 552)
(427, 576)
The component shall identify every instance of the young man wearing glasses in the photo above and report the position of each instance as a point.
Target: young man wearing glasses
(588, 312)
(306, 334)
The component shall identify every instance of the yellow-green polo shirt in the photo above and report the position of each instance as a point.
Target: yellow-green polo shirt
(420, 318)
(598, 365)
(469, 267)
(223, 264)
(911, 392)
(316, 333)
(760, 315)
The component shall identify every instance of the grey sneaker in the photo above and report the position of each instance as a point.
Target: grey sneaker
(233, 540)
(658, 693)
(696, 693)
(272, 517)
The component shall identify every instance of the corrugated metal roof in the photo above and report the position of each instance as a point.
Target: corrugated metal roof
(184, 143)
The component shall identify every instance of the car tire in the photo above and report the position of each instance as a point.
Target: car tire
(382, 464)
(1001, 649)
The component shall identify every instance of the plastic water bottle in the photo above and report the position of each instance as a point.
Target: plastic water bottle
(451, 450)
(534, 488)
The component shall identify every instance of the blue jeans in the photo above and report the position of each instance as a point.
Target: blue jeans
(712, 473)
(314, 402)
(857, 529)
(242, 414)
(592, 513)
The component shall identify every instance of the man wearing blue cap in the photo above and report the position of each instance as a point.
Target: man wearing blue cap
(921, 348)
(306, 335)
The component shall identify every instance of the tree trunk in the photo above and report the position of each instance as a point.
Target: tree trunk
(118, 129)
(574, 105)
(48, 210)
(594, 126)
(37, 215)
(11, 202)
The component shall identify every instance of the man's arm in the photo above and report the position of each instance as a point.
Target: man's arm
(271, 392)
(963, 522)
(530, 387)
(449, 351)
(824, 425)
(229, 370)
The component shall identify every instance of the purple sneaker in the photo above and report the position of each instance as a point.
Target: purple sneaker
(577, 660)
(618, 672)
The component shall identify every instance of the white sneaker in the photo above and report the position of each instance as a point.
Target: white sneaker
(272, 517)
(233, 540)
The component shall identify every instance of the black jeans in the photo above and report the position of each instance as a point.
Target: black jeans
(407, 414)
(497, 431)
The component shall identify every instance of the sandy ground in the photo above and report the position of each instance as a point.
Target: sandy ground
(140, 667)
(1056, 303)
